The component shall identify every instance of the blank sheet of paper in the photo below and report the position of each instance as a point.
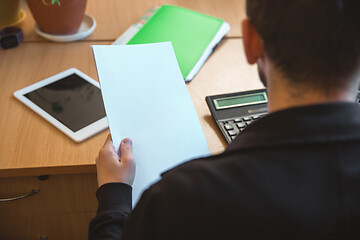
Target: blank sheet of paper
(146, 99)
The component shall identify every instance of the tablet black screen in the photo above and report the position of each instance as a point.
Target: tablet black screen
(72, 100)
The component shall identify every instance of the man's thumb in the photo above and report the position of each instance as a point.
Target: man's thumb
(126, 150)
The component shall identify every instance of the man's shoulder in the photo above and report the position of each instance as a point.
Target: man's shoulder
(208, 174)
(187, 185)
(199, 167)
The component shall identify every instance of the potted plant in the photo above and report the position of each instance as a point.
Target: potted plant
(58, 17)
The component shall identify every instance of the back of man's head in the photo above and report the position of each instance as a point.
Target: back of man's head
(310, 41)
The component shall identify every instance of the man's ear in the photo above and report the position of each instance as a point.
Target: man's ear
(253, 44)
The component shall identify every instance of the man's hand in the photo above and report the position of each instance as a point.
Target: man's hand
(113, 167)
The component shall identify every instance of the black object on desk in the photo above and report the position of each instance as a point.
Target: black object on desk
(233, 112)
(10, 37)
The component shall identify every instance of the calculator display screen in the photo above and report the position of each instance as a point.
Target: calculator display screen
(241, 100)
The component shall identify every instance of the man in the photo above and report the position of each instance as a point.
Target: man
(293, 174)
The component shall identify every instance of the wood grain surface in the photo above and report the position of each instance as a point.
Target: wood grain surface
(113, 17)
(30, 145)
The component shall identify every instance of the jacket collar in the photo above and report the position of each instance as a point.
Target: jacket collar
(330, 122)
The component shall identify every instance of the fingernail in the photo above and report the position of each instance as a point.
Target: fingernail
(127, 141)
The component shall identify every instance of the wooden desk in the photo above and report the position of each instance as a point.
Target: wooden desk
(30, 146)
(114, 17)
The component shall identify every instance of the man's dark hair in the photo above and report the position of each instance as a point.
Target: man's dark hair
(314, 41)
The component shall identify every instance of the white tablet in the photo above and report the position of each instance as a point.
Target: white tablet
(69, 100)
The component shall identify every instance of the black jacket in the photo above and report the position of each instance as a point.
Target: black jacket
(294, 174)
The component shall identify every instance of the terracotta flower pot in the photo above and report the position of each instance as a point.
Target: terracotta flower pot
(9, 12)
(58, 17)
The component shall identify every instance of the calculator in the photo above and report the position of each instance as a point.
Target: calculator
(233, 112)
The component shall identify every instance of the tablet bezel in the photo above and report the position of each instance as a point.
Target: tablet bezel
(77, 136)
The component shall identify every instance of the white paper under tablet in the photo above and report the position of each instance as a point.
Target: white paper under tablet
(72, 101)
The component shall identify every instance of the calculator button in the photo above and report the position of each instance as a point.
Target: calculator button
(230, 122)
(247, 118)
(237, 120)
(256, 117)
(249, 122)
(241, 125)
(228, 127)
(232, 133)
(233, 137)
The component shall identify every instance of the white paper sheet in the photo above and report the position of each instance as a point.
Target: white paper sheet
(146, 99)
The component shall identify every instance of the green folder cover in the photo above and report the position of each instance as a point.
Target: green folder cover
(190, 33)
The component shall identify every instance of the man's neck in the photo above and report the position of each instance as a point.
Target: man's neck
(283, 96)
(278, 101)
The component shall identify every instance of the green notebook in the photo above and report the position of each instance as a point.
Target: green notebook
(193, 35)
